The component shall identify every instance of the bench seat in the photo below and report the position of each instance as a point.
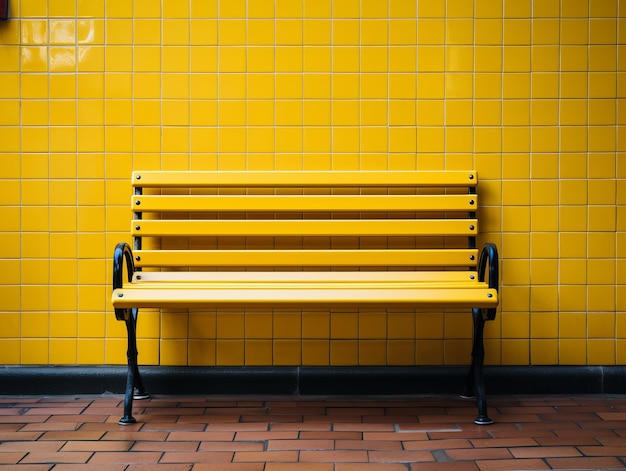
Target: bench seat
(296, 239)
(205, 291)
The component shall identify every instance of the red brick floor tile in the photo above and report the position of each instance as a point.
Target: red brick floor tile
(231, 467)
(474, 454)
(340, 411)
(511, 465)
(91, 467)
(23, 419)
(395, 436)
(522, 433)
(207, 419)
(109, 427)
(331, 435)
(166, 446)
(428, 427)
(135, 435)
(448, 419)
(12, 412)
(596, 408)
(612, 415)
(613, 424)
(567, 441)
(586, 433)
(71, 435)
(97, 446)
(437, 444)
(230, 446)
(78, 418)
(503, 442)
(49, 427)
(11, 457)
(19, 436)
(300, 467)
(369, 444)
(571, 416)
(197, 457)
(551, 425)
(238, 427)
(173, 427)
(384, 419)
(585, 463)
(377, 456)
(338, 456)
(160, 467)
(38, 446)
(370, 467)
(445, 466)
(526, 410)
(197, 436)
(246, 436)
(28, 467)
(4, 428)
(348, 419)
(57, 457)
(274, 445)
(267, 456)
(361, 427)
(545, 452)
(129, 457)
(174, 411)
(603, 450)
(300, 427)
(611, 441)
(54, 411)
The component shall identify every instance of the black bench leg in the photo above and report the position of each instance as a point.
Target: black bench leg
(134, 384)
(475, 383)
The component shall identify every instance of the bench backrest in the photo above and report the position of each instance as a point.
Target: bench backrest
(305, 219)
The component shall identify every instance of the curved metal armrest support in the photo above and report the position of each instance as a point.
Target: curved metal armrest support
(488, 264)
(122, 252)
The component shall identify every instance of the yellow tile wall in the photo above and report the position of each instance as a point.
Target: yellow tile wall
(530, 93)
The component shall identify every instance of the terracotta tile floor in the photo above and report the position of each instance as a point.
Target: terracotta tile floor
(63, 433)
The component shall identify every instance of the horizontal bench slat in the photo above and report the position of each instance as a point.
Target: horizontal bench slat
(321, 285)
(190, 298)
(339, 178)
(272, 227)
(304, 276)
(301, 203)
(277, 258)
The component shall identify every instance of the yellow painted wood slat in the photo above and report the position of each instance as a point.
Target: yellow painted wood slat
(179, 297)
(293, 227)
(276, 178)
(320, 285)
(302, 203)
(155, 277)
(278, 258)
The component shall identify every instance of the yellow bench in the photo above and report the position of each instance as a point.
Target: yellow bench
(299, 238)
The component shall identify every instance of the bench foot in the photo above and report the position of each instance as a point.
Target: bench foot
(140, 395)
(480, 420)
(127, 421)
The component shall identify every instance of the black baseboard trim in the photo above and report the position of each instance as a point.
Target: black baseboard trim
(499, 380)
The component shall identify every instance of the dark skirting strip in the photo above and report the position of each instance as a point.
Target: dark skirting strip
(357, 381)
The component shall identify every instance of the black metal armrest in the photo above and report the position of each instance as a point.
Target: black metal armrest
(488, 264)
(122, 252)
